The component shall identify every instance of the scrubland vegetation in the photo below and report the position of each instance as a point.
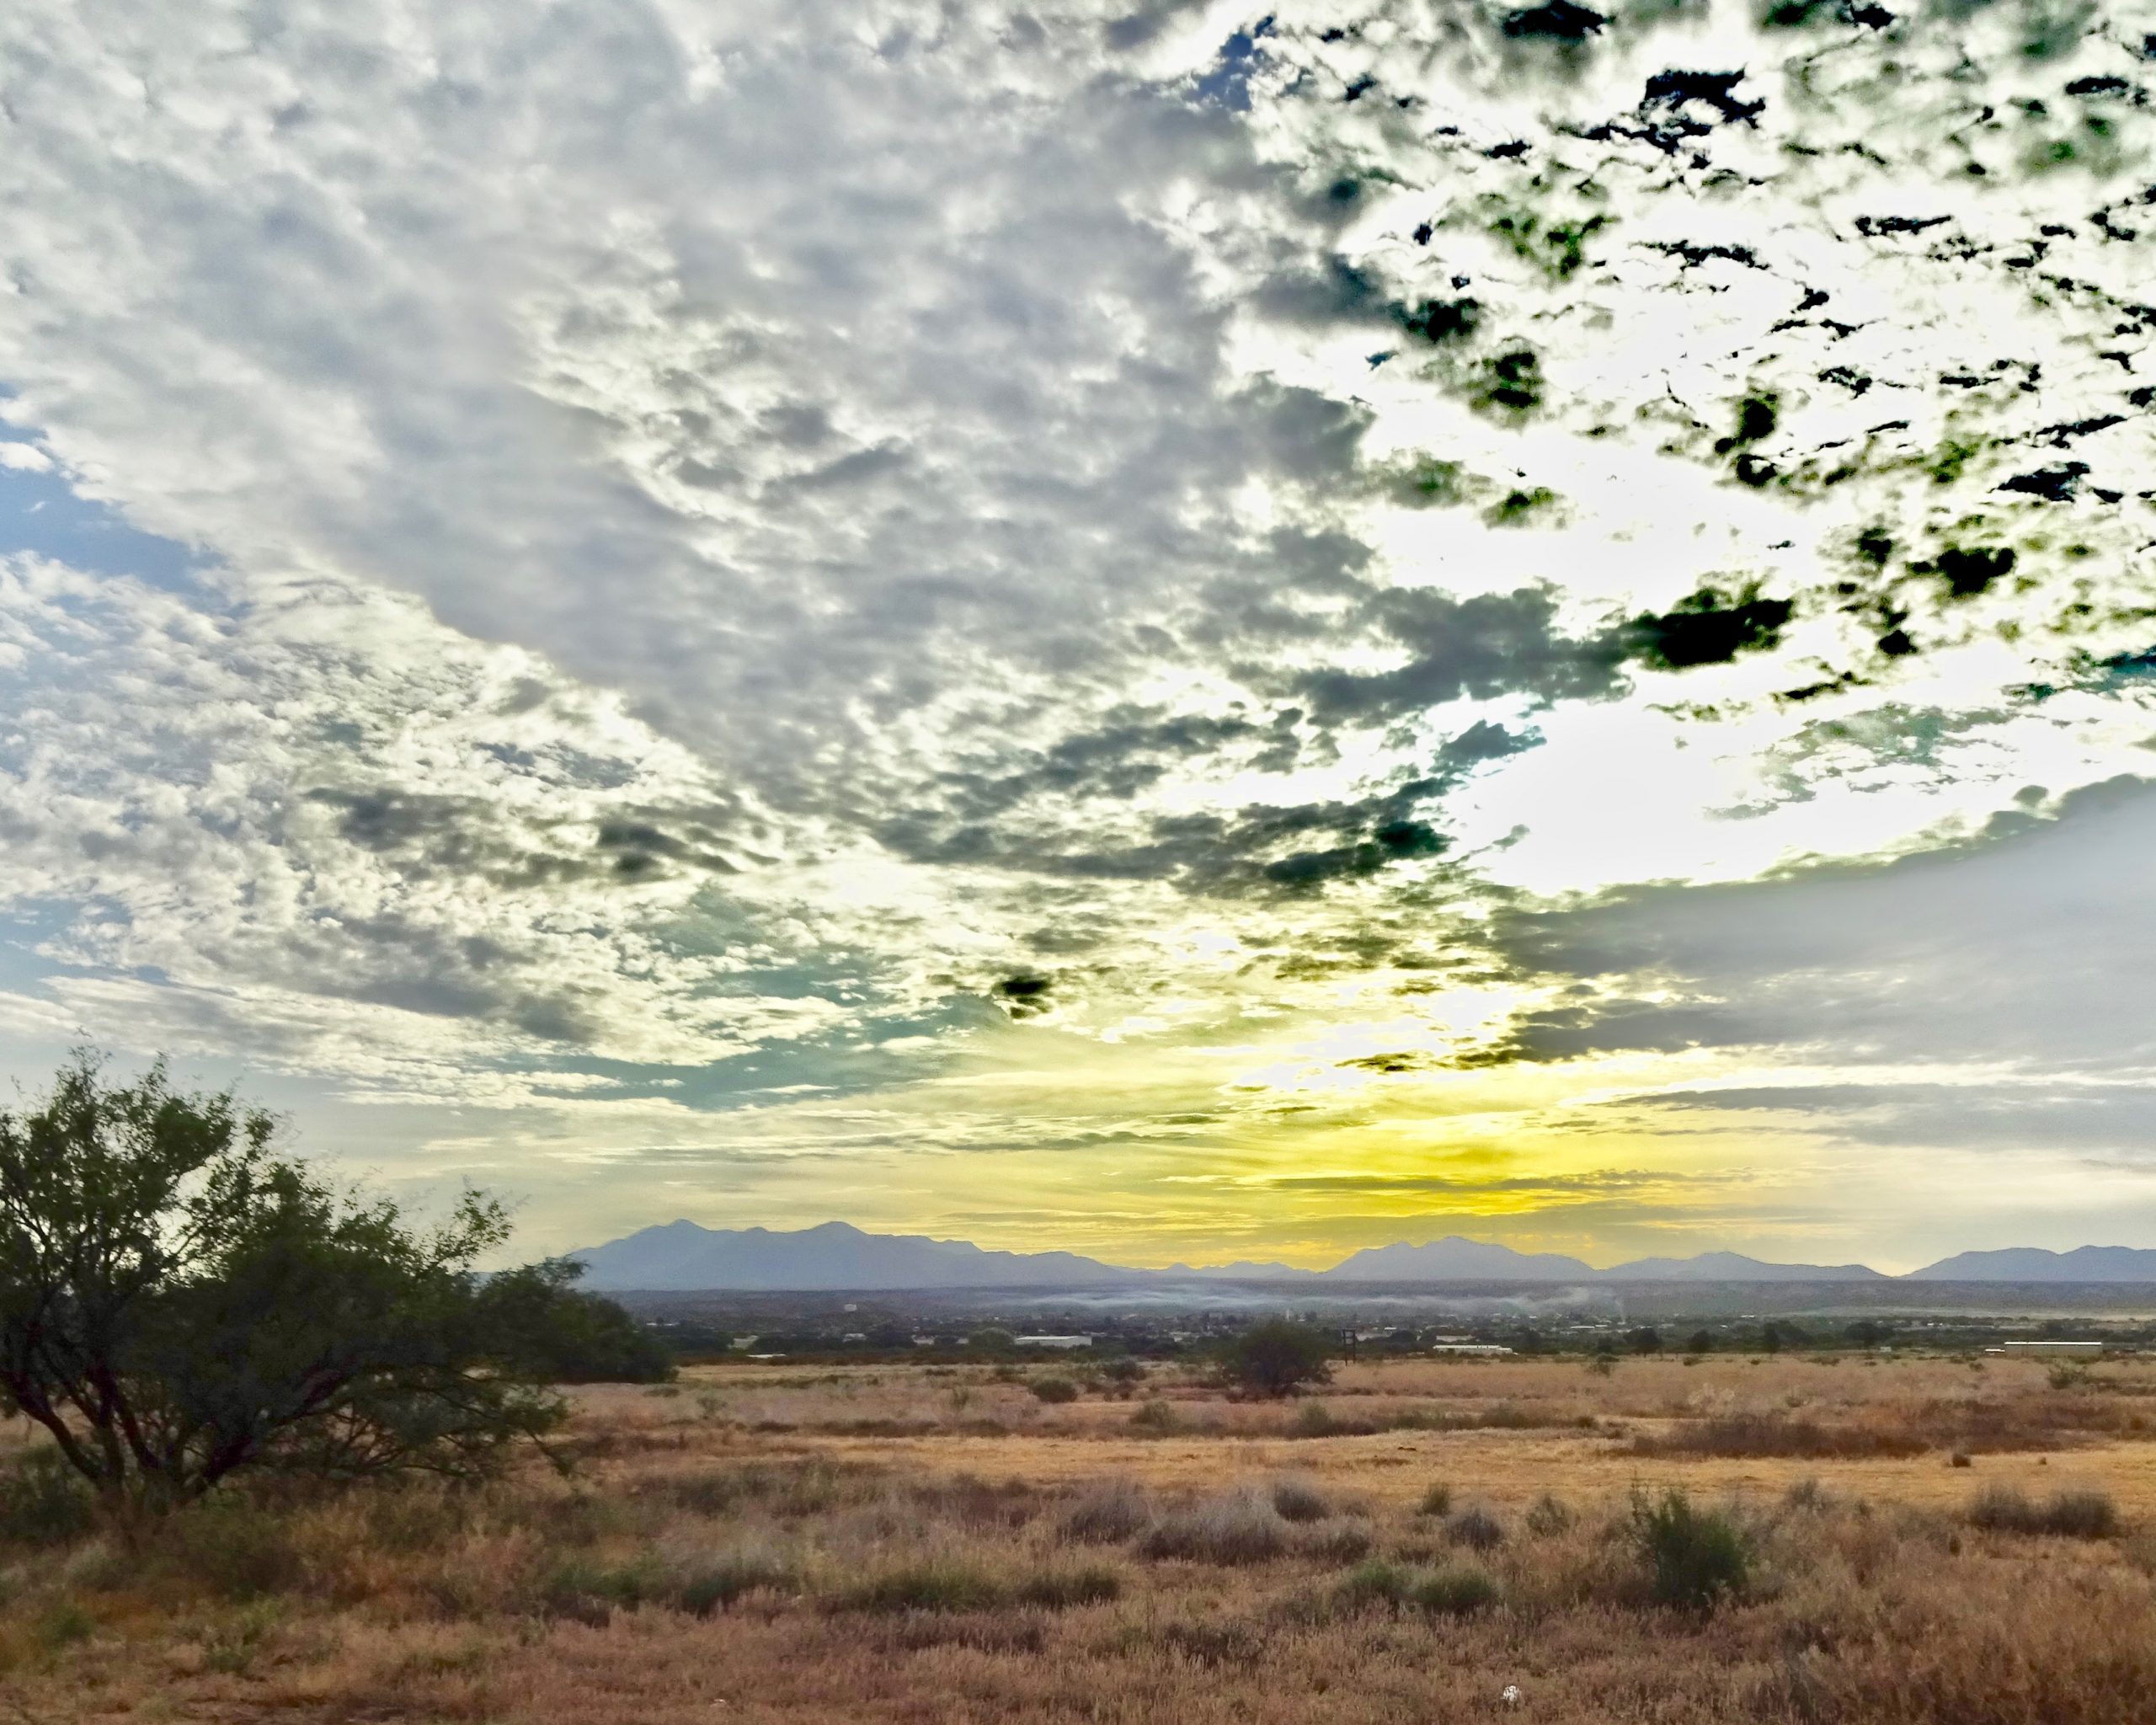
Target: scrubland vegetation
(1770, 1540)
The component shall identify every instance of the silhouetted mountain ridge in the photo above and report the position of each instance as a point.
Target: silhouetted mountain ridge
(682, 1257)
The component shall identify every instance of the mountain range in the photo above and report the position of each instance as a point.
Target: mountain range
(683, 1257)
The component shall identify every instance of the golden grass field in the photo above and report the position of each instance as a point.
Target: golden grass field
(767, 1543)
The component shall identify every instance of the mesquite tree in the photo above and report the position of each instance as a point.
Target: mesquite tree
(179, 1301)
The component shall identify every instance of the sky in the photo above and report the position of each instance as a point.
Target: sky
(1182, 631)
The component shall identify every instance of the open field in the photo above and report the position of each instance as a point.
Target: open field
(776, 1543)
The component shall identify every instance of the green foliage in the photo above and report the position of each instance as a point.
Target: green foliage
(716, 1582)
(543, 1328)
(1700, 1342)
(232, 1548)
(1376, 1583)
(940, 1585)
(1453, 1592)
(1695, 1558)
(1055, 1391)
(43, 1501)
(1436, 1500)
(178, 1303)
(1456, 1592)
(1278, 1357)
(1155, 1418)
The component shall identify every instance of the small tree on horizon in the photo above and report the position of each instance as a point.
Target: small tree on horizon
(1278, 1357)
(178, 1302)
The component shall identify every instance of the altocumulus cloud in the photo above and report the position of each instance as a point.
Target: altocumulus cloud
(723, 529)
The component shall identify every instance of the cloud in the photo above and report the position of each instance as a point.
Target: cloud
(1993, 952)
(764, 546)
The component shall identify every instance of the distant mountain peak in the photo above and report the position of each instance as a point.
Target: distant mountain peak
(683, 1256)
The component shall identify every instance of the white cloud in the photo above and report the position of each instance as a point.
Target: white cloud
(730, 531)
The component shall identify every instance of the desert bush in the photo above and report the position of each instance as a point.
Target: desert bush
(1750, 1435)
(1476, 1529)
(1437, 1500)
(1456, 1592)
(1452, 1592)
(1338, 1541)
(937, 1585)
(1694, 1558)
(2071, 1514)
(232, 1547)
(1106, 1512)
(43, 1501)
(1376, 1583)
(1055, 1391)
(1299, 1500)
(1549, 1516)
(712, 1583)
(1155, 1418)
(1057, 1589)
(1240, 1528)
(1313, 1419)
(1807, 1494)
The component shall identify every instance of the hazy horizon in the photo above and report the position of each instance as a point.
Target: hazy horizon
(1155, 629)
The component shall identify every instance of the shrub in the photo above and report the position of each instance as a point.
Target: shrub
(1238, 1529)
(1695, 1558)
(43, 1501)
(936, 1585)
(1057, 1589)
(716, 1582)
(1376, 1583)
(232, 1547)
(1107, 1512)
(1055, 1391)
(1299, 1500)
(1123, 1372)
(1453, 1592)
(1342, 1541)
(1278, 1357)
(1156, 1418)
(1436, 1500)
(1456, 1592)
(1478, 1530)
(2069, 1514)
(1549, 1516)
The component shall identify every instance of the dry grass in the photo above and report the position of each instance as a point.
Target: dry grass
(910, 1545)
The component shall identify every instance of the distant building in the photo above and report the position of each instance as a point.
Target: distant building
(2051, 1348)
(1484, 1348)
(1053, 1341)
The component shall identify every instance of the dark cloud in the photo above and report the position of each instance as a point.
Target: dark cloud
(1710, 626)
(1484, 647)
